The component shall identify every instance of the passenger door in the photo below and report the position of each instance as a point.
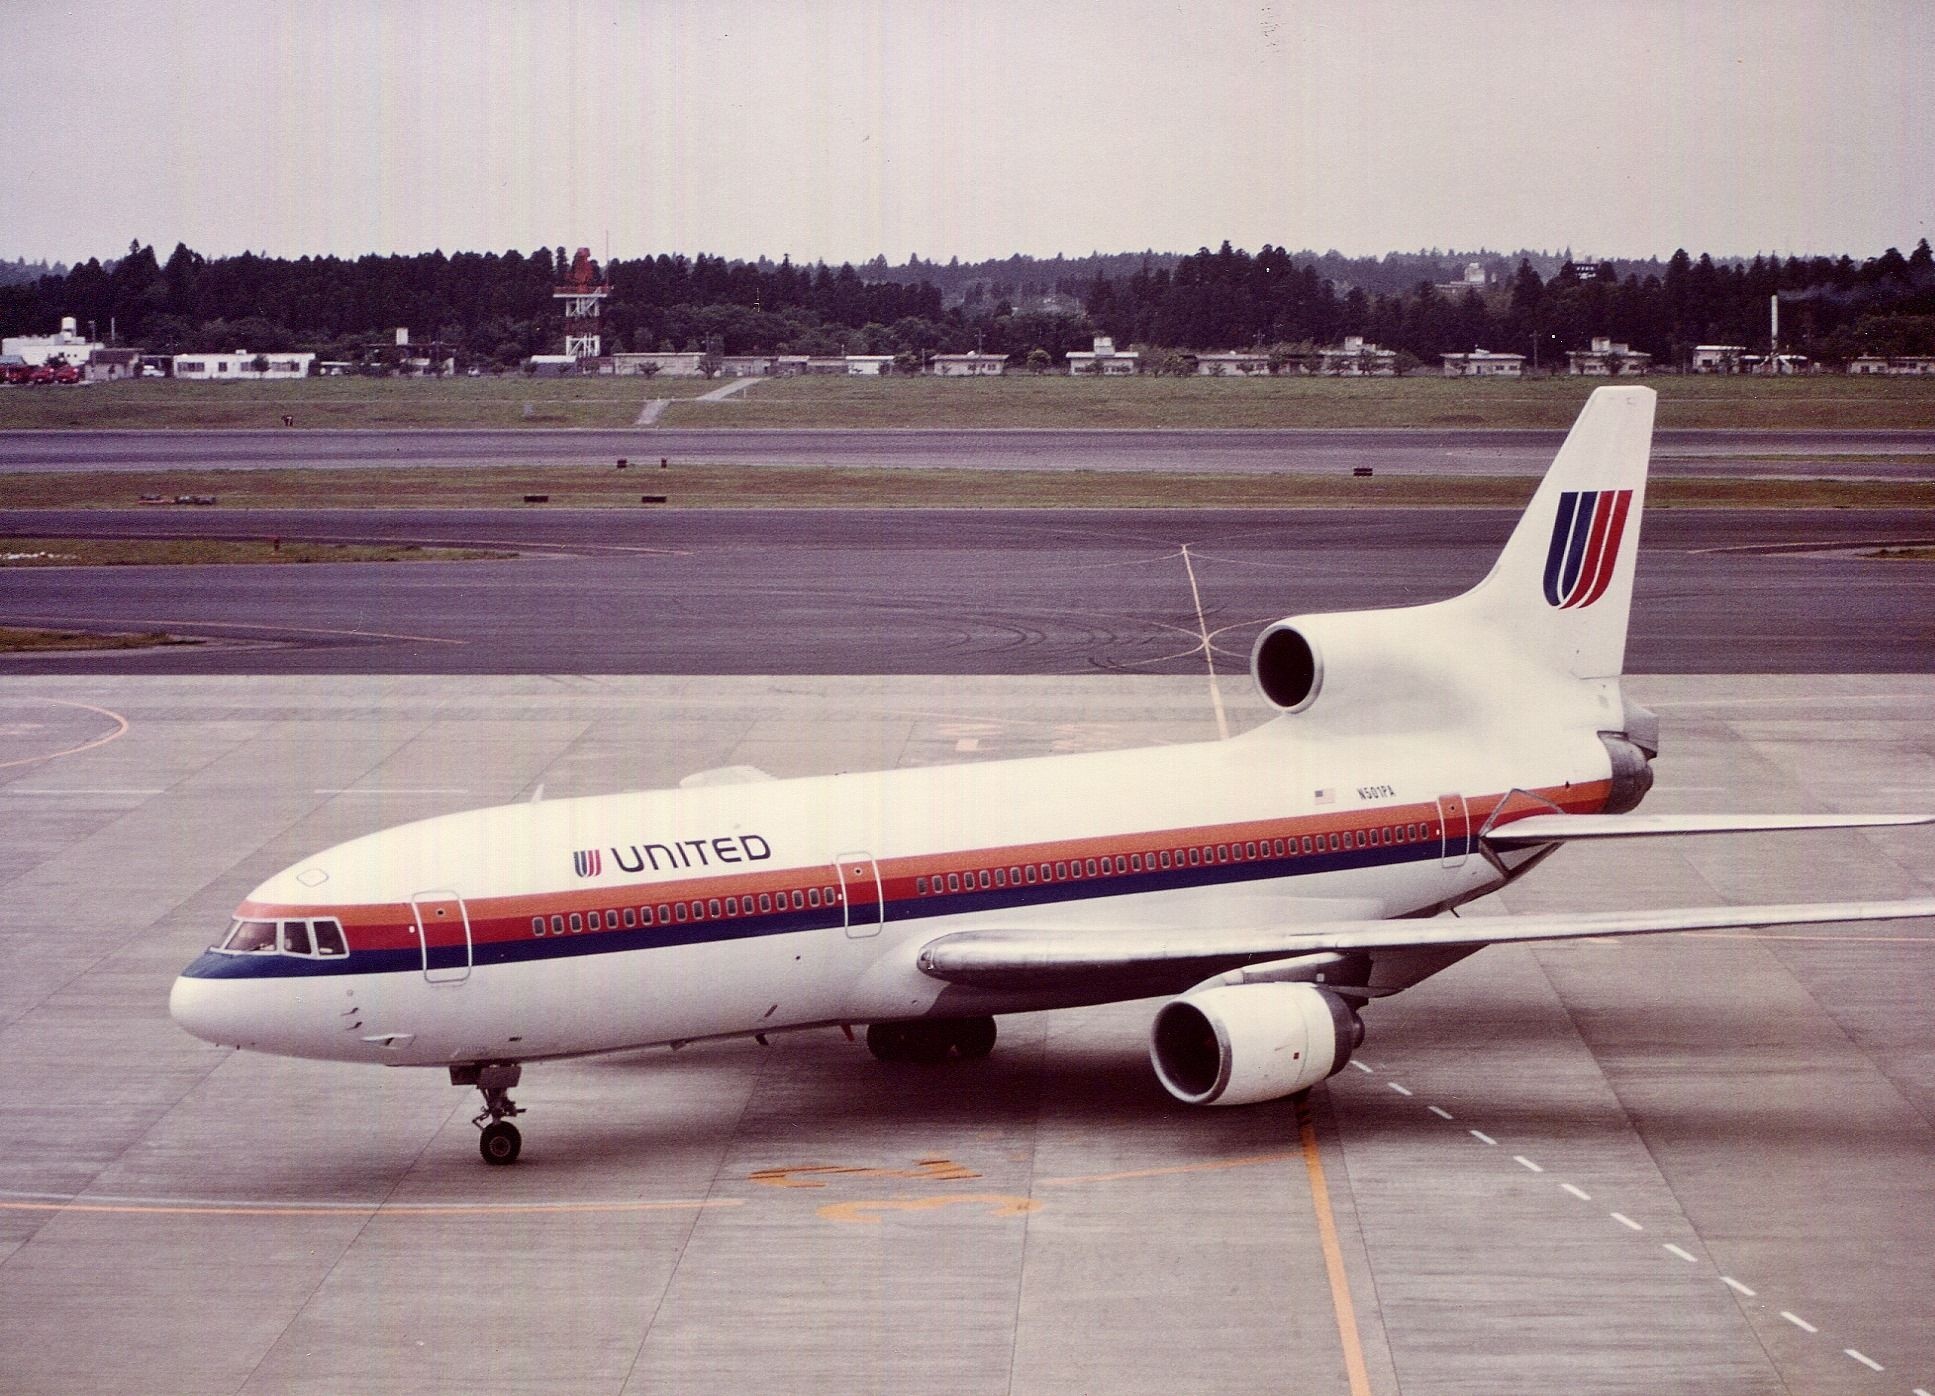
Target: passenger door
(860, 893)
(443, 935)
(1456, 823)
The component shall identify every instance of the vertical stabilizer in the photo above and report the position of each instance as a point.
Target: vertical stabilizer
(1563, 587)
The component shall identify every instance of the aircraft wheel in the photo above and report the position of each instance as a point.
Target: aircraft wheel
(887, 1041)
(929, 1041)
(500, 1143)
(974, 1038)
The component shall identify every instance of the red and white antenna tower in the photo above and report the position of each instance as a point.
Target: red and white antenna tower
(582, 294)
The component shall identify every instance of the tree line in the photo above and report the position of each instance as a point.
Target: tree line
(497, 308)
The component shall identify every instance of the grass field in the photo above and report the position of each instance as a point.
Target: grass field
(740, 487)
(155, 404)
(201, 552)
(1828, 400)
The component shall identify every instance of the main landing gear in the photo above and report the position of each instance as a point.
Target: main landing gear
(499, 1142)
(931, 1039)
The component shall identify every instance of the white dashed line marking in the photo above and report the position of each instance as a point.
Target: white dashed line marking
(1439, 1111)
(1731, 1283)
(1865, 1360)
(1687, 1256)
(1524, 1162)
(1799, 1322)
(1579, 1193)
(1365, 1069)
(1484, 1138)
(1920, 1392)
(1627, 1222)
(1401, 1090)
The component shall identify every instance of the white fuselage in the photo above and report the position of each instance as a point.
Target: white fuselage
(521, 931)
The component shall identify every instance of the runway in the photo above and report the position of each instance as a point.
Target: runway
(1419, 451)
(939, 591)
(1684, 1163)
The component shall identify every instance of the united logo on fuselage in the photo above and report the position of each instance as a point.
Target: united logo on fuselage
(588, 862)
(1585, 546)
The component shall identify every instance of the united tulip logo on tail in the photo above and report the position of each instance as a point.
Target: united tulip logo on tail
(588, 863)
(1585, 546)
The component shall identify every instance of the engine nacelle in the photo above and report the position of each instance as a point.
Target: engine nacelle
(1237, 1044)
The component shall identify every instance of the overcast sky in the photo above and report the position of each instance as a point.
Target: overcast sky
(970, 127)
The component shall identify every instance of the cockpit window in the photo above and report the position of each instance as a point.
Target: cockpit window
(251, 938)
(308, 939)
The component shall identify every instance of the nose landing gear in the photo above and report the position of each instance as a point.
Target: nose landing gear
(499, 1142)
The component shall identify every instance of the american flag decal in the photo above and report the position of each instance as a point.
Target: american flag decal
(588, 862)
(1585, 546)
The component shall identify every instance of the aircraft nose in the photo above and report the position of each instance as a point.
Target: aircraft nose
(197, 1007)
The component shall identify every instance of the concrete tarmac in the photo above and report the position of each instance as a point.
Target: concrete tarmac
(1401, 451)
(1685, 1163)
(939, 591)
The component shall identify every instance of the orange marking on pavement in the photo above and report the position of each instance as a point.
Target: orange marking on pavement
(1003, 1204)
(938, 1170)
(1360, 1382)
(1214, 1166)
(120, 730)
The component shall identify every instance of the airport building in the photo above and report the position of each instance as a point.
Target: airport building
(664, 364)
(1718, 358)
(242, 365)
(1252, 364)
(1104, 359)
(1483, 363)
(973, 364)
(1356, 359)
(35, 350)
(1894, 365)
(1606, 359)
(869, 365)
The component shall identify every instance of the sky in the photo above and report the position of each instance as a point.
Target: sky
(823, 129)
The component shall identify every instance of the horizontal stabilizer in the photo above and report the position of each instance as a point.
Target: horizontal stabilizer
(1563, 828)
(1015, 958)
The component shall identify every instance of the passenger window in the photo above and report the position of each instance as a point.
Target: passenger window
(953, 882)
(799, 900)
(1001, 877)
(1165, 857)
(557, 925)
(611, 920)
(832, 897)
(765, 901)
(631, 918)
(1249, 850)
(577, 923)
(1014, 876)
(1222, 853)
(1061, 871)
(712, 907)
(537, 925)
(920, 886)
(664, 915)
(1091, 867)
(813, 895)
(732, 906)
(1333, 843)
(1047, 872)
(329, 938)
(680, 910)
(1135, 862)
(1032, 874)
(1306, 843)
(985, 879)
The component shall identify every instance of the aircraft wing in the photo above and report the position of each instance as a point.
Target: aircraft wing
(1024, 958)
(1562, 828)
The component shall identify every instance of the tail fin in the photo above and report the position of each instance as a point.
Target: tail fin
(1563, 587)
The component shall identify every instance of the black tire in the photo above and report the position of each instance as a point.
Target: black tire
(929, 1041)
(974, 1038)
(887, 1041)
(500, 1143)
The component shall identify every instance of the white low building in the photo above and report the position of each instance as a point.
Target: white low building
(668, 364)
(1606, 359)
(1233, 365)
(1718, 358)
(973, 364)
(869, 365)
(1103, 359)
(242, 366)
(1483, 363)
(1355, 358)
(37, 349)
(1894, 365)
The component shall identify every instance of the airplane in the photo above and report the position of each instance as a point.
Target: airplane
(1268, 886)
